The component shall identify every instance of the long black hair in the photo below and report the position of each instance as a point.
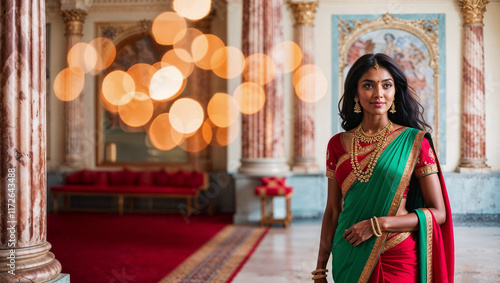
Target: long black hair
(409, 112)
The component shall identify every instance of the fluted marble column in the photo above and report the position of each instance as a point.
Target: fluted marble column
(24, 250)
(303, 137)
(473, 155)
(73, 110)
(263, 151)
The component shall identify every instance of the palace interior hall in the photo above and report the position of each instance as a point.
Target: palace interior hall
(186, 140)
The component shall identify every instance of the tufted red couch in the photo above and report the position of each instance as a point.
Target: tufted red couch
(127, 183)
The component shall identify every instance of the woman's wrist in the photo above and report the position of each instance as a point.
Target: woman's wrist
(382, 221)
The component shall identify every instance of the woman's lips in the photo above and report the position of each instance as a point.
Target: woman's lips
(378, 104)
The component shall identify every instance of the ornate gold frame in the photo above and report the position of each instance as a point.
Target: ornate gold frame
(425, 30)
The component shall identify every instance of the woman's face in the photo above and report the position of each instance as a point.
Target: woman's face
(376, 91)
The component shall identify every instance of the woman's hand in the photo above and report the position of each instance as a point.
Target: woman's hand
(359, 232)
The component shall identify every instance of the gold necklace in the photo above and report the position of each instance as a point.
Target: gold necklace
(359, 135)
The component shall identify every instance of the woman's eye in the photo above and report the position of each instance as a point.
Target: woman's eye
(388, 85)
(368, 86)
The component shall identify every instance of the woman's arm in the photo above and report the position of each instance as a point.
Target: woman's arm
(330, 221)
(433, 197)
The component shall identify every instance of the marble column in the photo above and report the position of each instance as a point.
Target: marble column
(263, 150)
(473, 155)
(24, 250)
(73, 110)
(303, 136)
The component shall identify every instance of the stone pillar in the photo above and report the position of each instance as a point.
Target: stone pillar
(263, 151)
(24, 250)
(73, 110)
(303, 137)
(473, 155)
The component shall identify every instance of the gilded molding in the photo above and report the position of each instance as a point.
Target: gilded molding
(473, 11)
(303, 13)
(118, 31)
(74, 20)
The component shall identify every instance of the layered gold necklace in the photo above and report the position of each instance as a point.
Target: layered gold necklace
(360, 136)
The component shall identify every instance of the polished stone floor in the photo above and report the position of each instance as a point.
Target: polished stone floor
(289, 255)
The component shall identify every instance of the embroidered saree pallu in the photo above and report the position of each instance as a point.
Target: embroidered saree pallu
(381, 196)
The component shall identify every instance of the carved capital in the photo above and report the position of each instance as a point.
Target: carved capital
(473, 10)
(74, 20)
(303, 13)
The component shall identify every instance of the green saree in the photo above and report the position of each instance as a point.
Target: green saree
(381, 196)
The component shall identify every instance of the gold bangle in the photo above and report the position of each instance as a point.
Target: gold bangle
(319, 276)
(372, 221)
(319, 270)
(377, 226)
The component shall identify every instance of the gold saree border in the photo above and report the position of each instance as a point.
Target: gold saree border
(429, 232)
(379, 243)
(426, 170)
(394, 241)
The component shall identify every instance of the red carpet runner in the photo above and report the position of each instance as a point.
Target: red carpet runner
(143, 248)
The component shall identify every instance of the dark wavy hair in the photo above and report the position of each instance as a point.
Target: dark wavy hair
(409, 111)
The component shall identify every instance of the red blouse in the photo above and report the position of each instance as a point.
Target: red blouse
(338, 160)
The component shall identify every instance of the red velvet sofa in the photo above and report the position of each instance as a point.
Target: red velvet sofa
(127, 183)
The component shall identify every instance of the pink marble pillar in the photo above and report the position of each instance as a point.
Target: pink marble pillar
(303, 138)
(73, 110)
(263, 150)
(473, 155)
(24, 250)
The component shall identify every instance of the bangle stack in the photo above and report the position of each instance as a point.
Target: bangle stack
(319, 276)
(375, 227)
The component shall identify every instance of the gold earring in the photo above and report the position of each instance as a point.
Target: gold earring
(393, 108)
(357, 108)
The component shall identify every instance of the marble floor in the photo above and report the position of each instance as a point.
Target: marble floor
(289, 255)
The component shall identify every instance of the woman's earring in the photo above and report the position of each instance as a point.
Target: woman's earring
(393, 108)
(357, 108)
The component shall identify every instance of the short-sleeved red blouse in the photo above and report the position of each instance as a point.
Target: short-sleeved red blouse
(338, 160)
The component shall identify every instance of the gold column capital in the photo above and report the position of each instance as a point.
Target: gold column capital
(74, 20)
(473, 11)
(303, 12)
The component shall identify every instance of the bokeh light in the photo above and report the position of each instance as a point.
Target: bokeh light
(291, 52)
(203, 48)
(259, 69)
(83, 56)
(162, 135)
(250, 97)
(108, 106)
(192, 9)
(68, 84)
(186, 115)
(138, 111)
(228, 62)
(118, 87)
(142, 74)
(225, 136)
(166, 83)
(199, 140)
(106, 53)
(222, 109)
(168, 28)
(310, 83)
(184, 40)
(179, 58)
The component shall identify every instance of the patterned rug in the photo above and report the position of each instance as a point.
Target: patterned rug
(220, 258)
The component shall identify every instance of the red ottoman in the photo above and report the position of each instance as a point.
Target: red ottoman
(274, 187)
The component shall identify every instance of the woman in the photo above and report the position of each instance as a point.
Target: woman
(387, 217)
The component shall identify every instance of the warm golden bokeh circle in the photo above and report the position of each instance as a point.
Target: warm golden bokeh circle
(186, 115)
(184, 40)
(106, 53)
(142, 74)
(250, 97)
(259, 69)
(69, 83)
(310, 83)
(168, 28)
(179, 58)
(192, 9)
(292, 55)
(228, 62)
(118, 87)
(162, 135)
(166, 83)
(199, 140)
(225, 136)
(222, 109)
(203, 48)
(83, 56)
(138, 111)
